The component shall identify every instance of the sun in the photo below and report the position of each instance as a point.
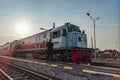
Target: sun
(22, 28)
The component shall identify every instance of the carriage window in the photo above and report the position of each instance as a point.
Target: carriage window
(64, 33)
(44, 35)
(69, 29)
(39, 38)
(58, 33)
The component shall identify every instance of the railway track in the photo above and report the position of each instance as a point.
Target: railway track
(13, 72)
(95, 62)
(107, 63)
(4, 76)
(92, 67)
(101, 68)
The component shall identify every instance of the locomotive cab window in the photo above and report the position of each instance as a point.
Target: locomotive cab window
(64, 33)
(56, 34)
(73, 28)
(69, 29)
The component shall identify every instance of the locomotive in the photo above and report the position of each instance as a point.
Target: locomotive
(70, 44)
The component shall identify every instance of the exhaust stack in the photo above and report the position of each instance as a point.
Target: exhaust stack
(53, 25)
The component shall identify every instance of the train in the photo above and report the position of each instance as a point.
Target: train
(70, 45)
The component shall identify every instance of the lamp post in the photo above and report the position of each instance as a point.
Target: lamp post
(51, 28)
(94, 29)
(43, 29)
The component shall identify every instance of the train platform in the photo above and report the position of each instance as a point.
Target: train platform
(66, 71)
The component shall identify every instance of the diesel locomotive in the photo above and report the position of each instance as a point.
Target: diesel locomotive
(70, 44)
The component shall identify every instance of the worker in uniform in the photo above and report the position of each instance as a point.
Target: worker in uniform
(50, 51)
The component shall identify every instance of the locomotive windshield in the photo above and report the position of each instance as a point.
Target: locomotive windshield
(73, 28)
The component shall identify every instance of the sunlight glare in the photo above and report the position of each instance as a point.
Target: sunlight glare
(22, 28)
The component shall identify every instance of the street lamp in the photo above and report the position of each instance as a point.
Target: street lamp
(94, 29)
(51, 28)
(43, 29)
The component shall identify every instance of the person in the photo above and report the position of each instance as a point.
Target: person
(50, 51)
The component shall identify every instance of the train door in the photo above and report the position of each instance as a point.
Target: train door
(64, 38)
(71, 40)
(74, 43)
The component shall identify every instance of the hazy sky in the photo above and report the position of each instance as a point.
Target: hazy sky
(42, 13)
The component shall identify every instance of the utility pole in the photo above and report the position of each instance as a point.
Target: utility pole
(91, 42)
(94, 29)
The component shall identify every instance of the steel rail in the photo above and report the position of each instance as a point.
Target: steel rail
(7, 76)
(30, 72)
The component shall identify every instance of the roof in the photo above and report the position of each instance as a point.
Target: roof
(58, 28)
